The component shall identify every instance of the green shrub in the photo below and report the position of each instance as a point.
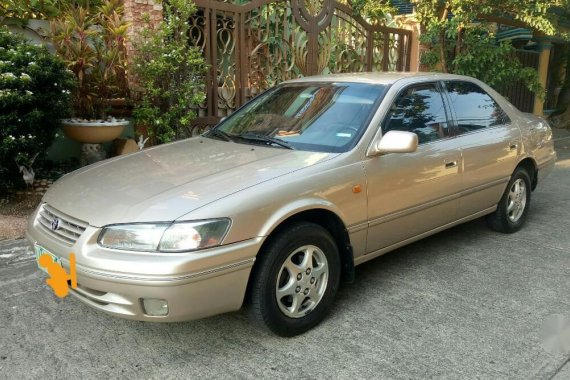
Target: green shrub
(35, 92)
(170, 74)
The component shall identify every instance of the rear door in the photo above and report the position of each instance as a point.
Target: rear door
(412, 193)
(489, 145)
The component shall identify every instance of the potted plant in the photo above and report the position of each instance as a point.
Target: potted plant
(92, 44)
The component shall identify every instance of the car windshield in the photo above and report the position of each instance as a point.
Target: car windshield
(323, 117)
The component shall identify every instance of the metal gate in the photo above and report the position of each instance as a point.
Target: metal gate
(257, 44)
(517, 93)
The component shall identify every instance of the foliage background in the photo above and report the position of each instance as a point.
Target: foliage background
(32, 9)
(462, 40)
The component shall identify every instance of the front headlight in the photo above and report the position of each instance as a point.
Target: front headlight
(165, 237)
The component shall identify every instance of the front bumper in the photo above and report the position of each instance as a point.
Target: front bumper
(195, 285)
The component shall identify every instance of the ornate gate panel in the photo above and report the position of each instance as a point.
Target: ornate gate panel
(275, 47)
(254, 45)
(346, 44)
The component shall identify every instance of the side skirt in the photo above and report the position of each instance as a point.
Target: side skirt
(362, 259)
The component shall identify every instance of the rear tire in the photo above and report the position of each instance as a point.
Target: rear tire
(295, 279)
(513, 207)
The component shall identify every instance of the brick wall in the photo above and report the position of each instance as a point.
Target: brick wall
(134, 14)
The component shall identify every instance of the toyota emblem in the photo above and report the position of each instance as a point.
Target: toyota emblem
(54, 224)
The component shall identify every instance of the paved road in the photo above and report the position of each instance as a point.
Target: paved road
(466, 303)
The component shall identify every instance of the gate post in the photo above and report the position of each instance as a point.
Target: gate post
(543, 61)
(412, 24)
(313, 21)
(312, 53)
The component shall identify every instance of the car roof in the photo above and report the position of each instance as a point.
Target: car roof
(375, 77)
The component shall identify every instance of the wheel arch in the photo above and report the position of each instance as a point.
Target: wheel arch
(325, 218)
(529, 164)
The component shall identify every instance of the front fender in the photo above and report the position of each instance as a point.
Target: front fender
(296, 207)
(258, 210)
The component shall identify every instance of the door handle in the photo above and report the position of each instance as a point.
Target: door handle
(450, 164)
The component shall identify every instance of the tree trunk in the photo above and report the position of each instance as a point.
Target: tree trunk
(442, 44)
(458, 45)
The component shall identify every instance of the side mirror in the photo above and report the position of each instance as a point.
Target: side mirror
(395, 142)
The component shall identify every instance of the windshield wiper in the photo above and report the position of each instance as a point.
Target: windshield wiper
(219, 133)
(265, 139)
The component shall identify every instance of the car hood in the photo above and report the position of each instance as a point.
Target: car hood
(165, 182)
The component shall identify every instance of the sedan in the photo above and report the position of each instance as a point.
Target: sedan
(275, 206)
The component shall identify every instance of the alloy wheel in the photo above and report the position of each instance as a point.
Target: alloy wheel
(517, 200)
(302, 281)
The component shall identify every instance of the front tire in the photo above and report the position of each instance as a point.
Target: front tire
(295, 279)
(513, 207)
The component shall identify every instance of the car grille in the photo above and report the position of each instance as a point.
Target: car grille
(68, 228)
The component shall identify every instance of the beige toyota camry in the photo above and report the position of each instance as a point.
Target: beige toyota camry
(276, 205)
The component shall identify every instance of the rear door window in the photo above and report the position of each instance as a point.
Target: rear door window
(474, 108)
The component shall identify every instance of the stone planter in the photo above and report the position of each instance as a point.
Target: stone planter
(93, 132)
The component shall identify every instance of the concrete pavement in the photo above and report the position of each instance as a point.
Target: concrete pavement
(465, 303)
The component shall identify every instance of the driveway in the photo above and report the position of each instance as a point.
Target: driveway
(465, 303)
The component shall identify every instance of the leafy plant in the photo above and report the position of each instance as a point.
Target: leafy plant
(92, 44)
(170, 74)
(375, 11)
(27, 9)
(24, 10)
(35, 90)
